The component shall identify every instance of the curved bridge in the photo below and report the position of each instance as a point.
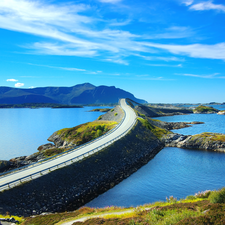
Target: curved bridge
(15, 178)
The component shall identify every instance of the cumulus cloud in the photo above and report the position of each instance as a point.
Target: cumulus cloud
(11, 80)
(19, 84)
(207, 6)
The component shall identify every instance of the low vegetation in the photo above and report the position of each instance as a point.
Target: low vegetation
(202, 208)
(209, 137)
(157, 131)
(205, 109)
(86, 132)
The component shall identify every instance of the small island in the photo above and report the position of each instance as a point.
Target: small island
(205, 109)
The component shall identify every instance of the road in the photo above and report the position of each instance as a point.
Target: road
(129, 120)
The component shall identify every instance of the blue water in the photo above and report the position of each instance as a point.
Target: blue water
(22, 131)
(174, 171)
(212, 123)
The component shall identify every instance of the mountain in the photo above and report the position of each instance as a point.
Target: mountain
(76, 95)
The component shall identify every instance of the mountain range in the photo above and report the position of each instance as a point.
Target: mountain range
(80, 94)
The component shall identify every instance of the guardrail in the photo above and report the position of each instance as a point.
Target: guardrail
(68, 162)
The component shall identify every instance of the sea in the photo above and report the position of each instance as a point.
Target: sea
(172, 172)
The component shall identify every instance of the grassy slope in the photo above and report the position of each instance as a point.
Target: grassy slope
(203, 208)
(82, 134)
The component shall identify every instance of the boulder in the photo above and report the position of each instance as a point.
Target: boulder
(222, 112)
(4, 165)
(45, 147)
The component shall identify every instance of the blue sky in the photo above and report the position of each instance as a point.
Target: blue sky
(163, 51)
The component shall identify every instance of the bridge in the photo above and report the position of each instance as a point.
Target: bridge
(17, 177)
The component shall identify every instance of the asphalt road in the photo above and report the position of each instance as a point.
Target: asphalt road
(129, 119)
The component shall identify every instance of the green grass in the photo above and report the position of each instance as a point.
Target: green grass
(86, 132)
(157, 131)
(217, 196)
(203, 109)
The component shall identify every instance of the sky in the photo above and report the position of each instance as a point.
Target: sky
(163, 51)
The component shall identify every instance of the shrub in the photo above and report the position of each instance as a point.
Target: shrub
(190, 197)
(217, 196)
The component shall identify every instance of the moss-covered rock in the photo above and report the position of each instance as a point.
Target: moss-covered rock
(81, 134)
(205, 109)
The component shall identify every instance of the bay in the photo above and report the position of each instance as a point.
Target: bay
(22, 131)
(173, 171)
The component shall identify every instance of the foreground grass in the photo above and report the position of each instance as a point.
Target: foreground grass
(204, 208)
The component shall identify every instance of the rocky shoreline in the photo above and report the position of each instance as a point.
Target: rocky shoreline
(204, 141)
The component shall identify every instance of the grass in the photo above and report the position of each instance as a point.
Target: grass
(207, 136)
(157, 131)
(203, 109)
(195, 209)
(86, 132)
(81, 134)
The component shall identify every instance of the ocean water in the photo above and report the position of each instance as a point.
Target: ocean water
(173, 171)
(22, 131)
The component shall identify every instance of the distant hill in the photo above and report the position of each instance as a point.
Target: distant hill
(76, 95)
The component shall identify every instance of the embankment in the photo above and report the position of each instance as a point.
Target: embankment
(73, 186)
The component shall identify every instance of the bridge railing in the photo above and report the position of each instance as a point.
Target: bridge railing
(70, 161)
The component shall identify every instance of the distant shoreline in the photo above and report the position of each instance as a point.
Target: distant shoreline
(38, 105)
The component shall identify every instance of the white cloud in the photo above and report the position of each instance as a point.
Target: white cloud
(216, 51)
(58, 67)
(70, 33)
(11, 80)
(165, 65)
(205, 76)
(19, 85)
(207, 6)
(188, 2)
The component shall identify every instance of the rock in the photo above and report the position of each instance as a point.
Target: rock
(5, 165)
(196, 122)
(56, 139)
(45, 147)
(221, 112)
(204, 141)
(34, 157)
